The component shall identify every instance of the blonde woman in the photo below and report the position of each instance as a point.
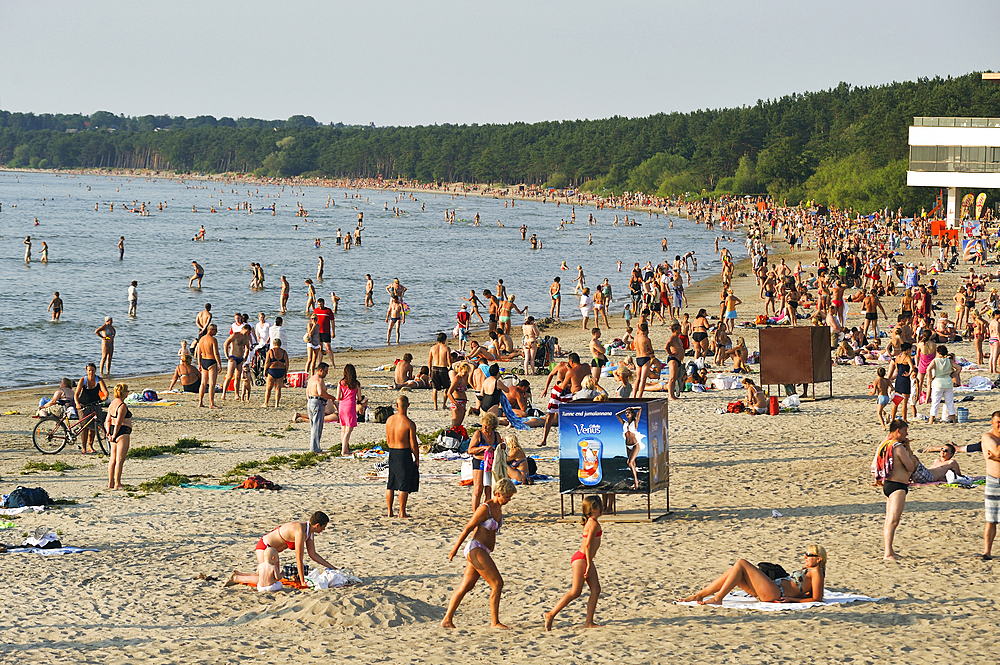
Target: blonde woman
(314, 346)
(482, 446)
(484, 527)
(457, 400)
(802, 586)
(118, 425)
(518, 466)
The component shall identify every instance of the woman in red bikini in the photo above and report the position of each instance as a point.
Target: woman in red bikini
(583, 564)
(293, 536)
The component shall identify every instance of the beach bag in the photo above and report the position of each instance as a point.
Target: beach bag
(449, 440)
(150, 396)
(466, 473)
(735, 407)
(772, 570)
(761, 320)
(382, 413)
(27, 496)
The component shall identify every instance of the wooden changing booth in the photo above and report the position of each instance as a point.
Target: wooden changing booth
(796, 355)
(596, 440)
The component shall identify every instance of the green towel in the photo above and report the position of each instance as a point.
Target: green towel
(208, 487)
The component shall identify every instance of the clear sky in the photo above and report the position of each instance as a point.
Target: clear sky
(442, 61)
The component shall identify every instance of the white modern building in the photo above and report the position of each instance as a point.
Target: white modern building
(955, 153)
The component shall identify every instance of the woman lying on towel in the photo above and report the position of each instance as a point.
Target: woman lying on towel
(294, 536)
(802, 586)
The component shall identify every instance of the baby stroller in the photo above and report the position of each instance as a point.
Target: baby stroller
(545, 354)
(257, 373)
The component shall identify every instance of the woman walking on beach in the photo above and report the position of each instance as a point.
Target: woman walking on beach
(347, 398)
(802, 586)
(314, 347)
(484, 527)
(901, 371)
(582, 564)
(118, 425)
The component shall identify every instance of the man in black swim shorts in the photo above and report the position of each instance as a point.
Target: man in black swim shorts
(439, 360)
(896, 484)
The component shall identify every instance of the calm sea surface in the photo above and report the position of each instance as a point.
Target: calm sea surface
(437, 262)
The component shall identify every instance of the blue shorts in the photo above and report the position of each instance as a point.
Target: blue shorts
(883, 400)
(731, 315)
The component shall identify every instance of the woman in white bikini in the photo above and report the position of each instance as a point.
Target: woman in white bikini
(484, 527)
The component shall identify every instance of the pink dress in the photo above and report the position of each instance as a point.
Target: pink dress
(348, 408)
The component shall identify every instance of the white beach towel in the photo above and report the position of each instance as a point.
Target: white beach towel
(52, 552)
(22, 509)
(741, 600)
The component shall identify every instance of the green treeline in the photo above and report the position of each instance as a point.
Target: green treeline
(844, 147)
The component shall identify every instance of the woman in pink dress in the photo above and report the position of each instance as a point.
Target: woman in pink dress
(347, 395)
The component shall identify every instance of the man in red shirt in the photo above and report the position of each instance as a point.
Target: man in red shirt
(327, 328)
(464, 318)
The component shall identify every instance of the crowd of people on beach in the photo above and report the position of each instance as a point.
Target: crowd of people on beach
(857, 263)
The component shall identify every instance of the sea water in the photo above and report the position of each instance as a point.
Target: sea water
(438, 262)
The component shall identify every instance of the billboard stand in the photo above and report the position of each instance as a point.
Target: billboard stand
(619, 447)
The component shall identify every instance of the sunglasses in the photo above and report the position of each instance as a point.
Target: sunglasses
(810, 554)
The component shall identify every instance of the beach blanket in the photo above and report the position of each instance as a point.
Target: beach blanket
(741, 600)
(22, 509)
(52, 552)
(195, 486)
(287, 583)
(976, 480)
(976, 384)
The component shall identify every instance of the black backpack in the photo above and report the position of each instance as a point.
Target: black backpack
(772, 570)
(382, 413)
(27, 496)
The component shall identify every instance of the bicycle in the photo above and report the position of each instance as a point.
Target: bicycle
(51, 435)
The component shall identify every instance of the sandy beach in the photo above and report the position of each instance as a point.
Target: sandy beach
(137, 597)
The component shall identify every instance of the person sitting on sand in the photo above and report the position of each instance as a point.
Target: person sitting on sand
(294, 536)
(945, 462)
(519, 466)
(187, 374)
(421, 380)
(803, 586)
(755, 400)
(269, 572)
(404, 371)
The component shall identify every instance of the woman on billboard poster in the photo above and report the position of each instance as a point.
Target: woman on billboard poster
(630, 430)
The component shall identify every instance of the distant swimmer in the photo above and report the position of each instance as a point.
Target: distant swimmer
(107, 334)
(564, 266)
(121, 248)
(27, 249)
(369, 291)
(45, 252)
(524, 231)
(663, 245)
(319, 270)
(284, 294)
(56, 306)
(199, 273)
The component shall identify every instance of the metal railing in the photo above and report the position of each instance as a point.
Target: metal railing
(956, 167)
(955, 122)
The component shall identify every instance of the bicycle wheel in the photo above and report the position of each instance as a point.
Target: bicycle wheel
(50, 436)
(101, 437)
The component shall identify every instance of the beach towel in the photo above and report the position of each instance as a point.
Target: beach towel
(974, 480)
(741, 600)
(195, 486)
(52, 552)
(882, 462)
(508, 411)
(285, 582)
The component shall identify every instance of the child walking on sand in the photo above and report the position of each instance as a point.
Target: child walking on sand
(880, 390)
(583, 566)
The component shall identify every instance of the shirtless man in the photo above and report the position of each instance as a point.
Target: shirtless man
(404, 466)
(556, 297)
(199, 273)
(369, 291)
(236, 347)
(55, 306)
(991, 453)
(494, 309)
(576, 374)
(208, 354)
(439, 360)
(317, 400)
(394, 316)
(837, 304)
(203, 320)
(643, 354)
(555, 397)
(285, 289)
(871, 304)
(404, 371)
(897, 483)
(598, 354)
(675, 360)
(107, 334)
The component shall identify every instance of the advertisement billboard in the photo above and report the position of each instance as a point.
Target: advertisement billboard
(617, 446)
